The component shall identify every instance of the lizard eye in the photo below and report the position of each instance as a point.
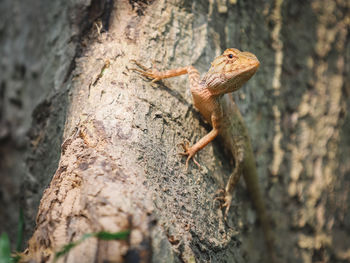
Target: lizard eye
(230, 56)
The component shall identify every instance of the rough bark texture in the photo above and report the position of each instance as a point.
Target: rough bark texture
(118, 169)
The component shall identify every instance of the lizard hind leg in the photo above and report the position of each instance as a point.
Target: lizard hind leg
(228, 192)
(234, 177)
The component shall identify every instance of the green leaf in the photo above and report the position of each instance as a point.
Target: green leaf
(66, 248)
(15, 258)
(103, 235)
(5, 250)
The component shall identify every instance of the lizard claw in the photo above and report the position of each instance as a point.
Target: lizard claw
(227, 204)
(152, 73)
(223, 196)
(139, 65)
(220, 194)
(189, 152)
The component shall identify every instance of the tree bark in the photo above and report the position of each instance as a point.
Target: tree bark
(118, 167)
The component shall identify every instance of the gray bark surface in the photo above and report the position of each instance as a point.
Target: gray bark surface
(118, 166)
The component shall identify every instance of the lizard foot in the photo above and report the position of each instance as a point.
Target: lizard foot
(220, 194)
(151, 73)
(223, 196)
(189, 152)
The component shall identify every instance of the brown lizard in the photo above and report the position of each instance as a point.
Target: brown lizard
(227, 74)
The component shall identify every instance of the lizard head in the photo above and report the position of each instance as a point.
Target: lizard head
(230, 71)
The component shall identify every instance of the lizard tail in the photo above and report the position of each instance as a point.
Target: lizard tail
(251, 180)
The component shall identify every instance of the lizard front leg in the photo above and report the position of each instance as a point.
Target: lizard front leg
(191, 151)
(193, 75)
(156, 75)
(215, 120)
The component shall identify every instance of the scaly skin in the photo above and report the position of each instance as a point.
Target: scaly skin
(227, 74)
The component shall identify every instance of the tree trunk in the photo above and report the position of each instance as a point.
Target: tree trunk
(118, 167)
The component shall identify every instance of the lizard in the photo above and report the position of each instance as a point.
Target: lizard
(211, 96)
